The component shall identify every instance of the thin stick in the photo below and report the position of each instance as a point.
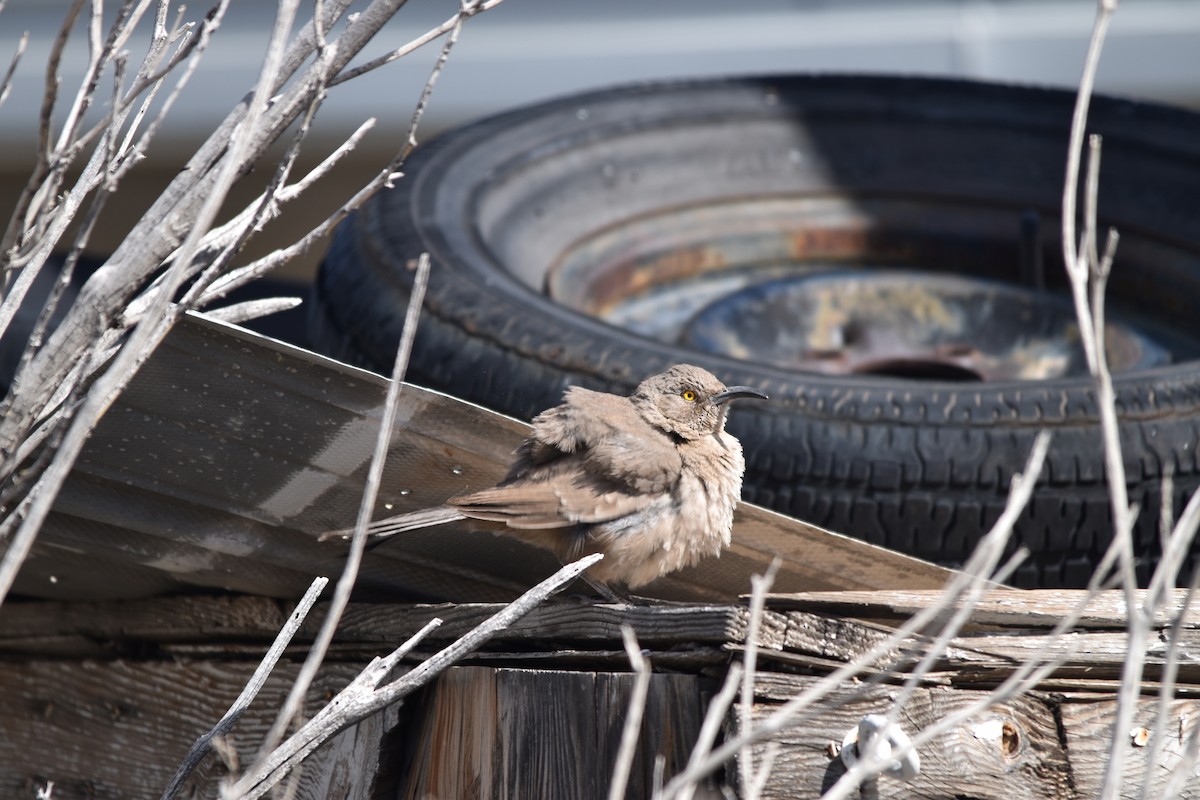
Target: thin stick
(791, 711)
(633, 717)
(41, 158)
(239, 313)
(345, 584)
(1075, 263)
(383, 178)
(267, 206)
(1166, 689)
(715, 715)
(282, 639)
(1087, 270)
(467, 9)
(137, 349)
(6, 81)
(365, 696)
(760, 585)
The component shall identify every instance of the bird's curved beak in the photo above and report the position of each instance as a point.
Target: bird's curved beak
(734, 392)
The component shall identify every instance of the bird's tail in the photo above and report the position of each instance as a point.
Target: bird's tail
(388, 526)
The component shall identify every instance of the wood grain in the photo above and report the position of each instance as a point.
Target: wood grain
(118, 729)
(1010, 751)
(1033, 608)
(1087, 726)
(510, 734)
(104, 697)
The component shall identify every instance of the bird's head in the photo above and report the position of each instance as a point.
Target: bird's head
(688, 401)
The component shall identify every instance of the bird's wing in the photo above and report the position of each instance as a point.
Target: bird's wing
(558, 495)
(609, 434)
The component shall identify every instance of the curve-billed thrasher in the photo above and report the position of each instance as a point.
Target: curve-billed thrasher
(649, 480)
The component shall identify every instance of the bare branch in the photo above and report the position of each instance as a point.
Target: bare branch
(365, 696)
(1083, 98)
(152, 82)
(1075, 262)
(6, 81)
(200, 749)
(238, 313)
(633, 716)
(760, 585)
(1089, 270)
(174, 215)
(267, 205)
(345, 584)
(137, 349)
(222, 236)
(20, 219)
(382, 179)
(717, 707)
(1167, 683)
(94, 174)
(267, 263)
(977, 570)
(465, 10)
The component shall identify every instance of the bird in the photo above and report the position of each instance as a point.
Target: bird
(650, 480)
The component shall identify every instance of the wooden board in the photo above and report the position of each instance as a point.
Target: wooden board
(1040, 745)
(102, 697)
(509, 734)
(568, 632)
(1010, 751)
(229, 453)
(1087, 728)
(118, 729)
(1034, 608)
(111, 730)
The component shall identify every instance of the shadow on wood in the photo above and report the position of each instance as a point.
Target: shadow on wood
(504, 734)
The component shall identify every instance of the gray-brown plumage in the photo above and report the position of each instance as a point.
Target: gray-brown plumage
(650, 480)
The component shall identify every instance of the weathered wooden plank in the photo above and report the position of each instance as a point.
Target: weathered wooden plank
(1032, 608)
(564, 622)
(200, 625)
(52, 627)
(197, 619)
(155, 618)
(504, 734)
(1094, 655)
(1088, 730)
(1011, 751)
(833, 637)
(118, 729)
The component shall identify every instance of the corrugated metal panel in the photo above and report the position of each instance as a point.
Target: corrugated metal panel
(230, 453)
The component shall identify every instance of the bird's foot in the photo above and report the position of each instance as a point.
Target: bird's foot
(607, 593)
(639, 600)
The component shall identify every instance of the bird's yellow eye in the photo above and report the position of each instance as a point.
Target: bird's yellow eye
(688, 395)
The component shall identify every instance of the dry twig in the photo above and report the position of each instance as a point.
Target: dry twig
(367, 694)
(976, 575)
(1088, 268)
(633, 717)
(46, 416)
(753, 780)
(200, 749)
(345, 584)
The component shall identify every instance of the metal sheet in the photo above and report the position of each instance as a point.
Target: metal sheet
(230, 453)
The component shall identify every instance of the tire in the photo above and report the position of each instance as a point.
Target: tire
(948, 169)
